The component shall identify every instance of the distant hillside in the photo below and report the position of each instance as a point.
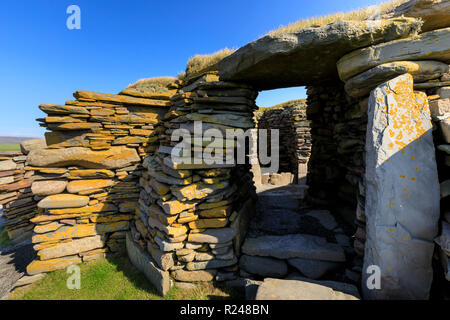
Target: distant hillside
(286, 104)
(13, 140)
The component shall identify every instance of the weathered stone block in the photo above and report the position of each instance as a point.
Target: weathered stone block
(142, 261)
(263, 266)
(433, 45)
(401, 218)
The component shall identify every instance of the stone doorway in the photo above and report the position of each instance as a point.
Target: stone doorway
(294, 235)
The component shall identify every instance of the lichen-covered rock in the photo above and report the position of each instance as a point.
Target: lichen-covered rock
(197, 190)
(60, 109)
(309, 56)
(71, 248)
(401, 218)
(115, 157)
(119, 98)
(46, 188)
(63, 201)
(90, 174)
(38, 266)
(78, 186)
(67, 232)
(433, 45)
(434, 13)
(32, 144)
(361, 84)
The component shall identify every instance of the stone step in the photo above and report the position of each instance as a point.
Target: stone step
(305, 289)
(294, 246)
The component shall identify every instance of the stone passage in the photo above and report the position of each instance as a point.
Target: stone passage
(192, 216)
(294, 141)
(86, 179)
(349, 170)
(288, 237)
(336, 167)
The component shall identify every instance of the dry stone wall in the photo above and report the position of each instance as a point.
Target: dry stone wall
(192, 216)
(336, 167)
(16, 196)
(439, 97)
(86, 180)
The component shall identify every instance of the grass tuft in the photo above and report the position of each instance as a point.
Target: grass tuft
(201, 62)
(158, 84)
(4, 238)
(360, 14)
(111, 279)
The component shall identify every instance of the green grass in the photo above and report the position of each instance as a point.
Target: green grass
(112, 279)
(9, 147)
(4, 239)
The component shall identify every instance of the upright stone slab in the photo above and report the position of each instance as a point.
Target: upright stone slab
(402, 195)
(142, 261)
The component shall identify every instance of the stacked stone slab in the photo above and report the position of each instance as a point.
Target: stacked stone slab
(439, 99)
(279, 119)
(86, 180)
(301, 148)
(16, 196)
(192, 217)
(337, 131)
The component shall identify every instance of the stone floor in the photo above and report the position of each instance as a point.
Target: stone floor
(287, 236)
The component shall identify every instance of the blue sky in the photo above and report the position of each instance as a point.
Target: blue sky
(123, 41)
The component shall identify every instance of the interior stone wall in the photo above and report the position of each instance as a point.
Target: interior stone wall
(336, 166)
(439, 100)
(294, 136)
(86, 179)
